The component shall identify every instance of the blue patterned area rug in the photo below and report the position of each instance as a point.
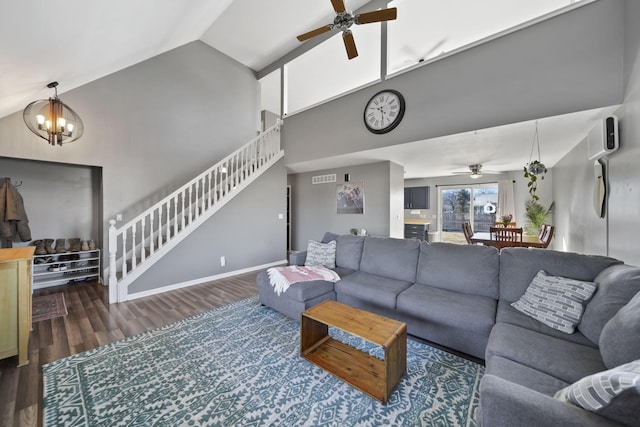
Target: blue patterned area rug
(240, 365)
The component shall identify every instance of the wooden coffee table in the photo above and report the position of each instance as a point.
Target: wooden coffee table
(373, 376)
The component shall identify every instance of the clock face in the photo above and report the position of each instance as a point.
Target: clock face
(384, 111)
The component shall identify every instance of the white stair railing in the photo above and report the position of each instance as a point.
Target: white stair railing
(141, 242)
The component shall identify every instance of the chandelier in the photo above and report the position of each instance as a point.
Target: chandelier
(53, 120)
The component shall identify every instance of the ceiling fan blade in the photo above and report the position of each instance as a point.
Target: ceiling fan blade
(377, 16)
(350, 44)
(338, 6)
(313, 33)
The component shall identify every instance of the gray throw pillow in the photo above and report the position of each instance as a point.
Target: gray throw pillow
(620, 337)
(555, 301)
(616, 286)
(614, 394)
(321, 254)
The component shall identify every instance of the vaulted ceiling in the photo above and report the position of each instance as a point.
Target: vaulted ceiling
(77, 41)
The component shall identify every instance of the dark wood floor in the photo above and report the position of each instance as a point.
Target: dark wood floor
(93, 322)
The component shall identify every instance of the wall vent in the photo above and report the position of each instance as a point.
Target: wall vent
(323, 179)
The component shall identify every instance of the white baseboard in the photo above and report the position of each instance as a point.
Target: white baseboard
(203, 280)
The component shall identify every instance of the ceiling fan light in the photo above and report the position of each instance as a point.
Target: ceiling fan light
(475, 175)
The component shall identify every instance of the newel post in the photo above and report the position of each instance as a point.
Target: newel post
(113, 280)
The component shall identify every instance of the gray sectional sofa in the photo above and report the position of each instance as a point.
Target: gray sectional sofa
(460, 296)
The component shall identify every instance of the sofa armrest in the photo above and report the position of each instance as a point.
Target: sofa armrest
(297, 257)
(503, 403)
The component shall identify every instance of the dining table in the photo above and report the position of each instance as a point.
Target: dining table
(484, 238)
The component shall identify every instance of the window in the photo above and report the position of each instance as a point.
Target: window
(428, 28)
(325, 72)
(475, 204)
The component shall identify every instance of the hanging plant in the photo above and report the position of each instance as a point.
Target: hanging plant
(534, 170)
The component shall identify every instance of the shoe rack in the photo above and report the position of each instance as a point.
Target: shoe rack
(65, 268)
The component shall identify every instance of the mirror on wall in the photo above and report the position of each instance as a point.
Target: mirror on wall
(600, 189)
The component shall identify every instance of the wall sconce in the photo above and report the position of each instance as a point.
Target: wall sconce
(53, 120)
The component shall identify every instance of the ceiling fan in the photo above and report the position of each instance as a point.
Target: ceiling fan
(475, 171)
(344, 20)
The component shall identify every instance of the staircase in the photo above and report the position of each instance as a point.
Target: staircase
(140, 243)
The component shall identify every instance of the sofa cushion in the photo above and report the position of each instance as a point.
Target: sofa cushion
(349, 251)
(374, 289)
(321, 254)
(440, 306)
(393, 258)
(303, 291)
(614, 393)
(562, 359)
(518, 266)
(616, 286)
(555, 301)
(470, 269)
(620, 338)
(520, 374)
(508, 314)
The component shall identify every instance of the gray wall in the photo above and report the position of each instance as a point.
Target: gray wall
(62, 201)
(624, 173)
(313, 206)
(247, 232)
(618, 234)
(151, 127)
(569, 63)
(578, 227)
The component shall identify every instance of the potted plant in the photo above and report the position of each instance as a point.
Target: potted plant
(506, 219)
(535, 216)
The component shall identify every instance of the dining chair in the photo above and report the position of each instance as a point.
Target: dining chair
(467, 231)
(543, 230)
(547, 235)
(506, 234)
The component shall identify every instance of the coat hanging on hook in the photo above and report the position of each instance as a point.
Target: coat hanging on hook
(14, 224)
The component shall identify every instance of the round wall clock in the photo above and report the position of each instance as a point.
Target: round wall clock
(384, 111)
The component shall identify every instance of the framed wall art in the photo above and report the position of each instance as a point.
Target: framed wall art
(350, 198)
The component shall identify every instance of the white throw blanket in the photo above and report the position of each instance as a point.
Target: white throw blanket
(282, 277)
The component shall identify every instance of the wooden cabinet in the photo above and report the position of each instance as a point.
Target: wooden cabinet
(416, 231)
(65, 268)
(416, 198)
(15, 302)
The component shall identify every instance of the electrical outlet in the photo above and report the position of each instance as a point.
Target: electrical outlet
(223, 261)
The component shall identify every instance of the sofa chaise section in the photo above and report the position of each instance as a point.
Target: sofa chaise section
(300, 296)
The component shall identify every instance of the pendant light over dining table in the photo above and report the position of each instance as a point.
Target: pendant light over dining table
(53, 120)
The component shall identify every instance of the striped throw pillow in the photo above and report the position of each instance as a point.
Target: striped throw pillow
(321, 254)
(555, 301)
(614, 393)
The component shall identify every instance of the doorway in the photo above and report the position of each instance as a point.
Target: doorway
(474, 203)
